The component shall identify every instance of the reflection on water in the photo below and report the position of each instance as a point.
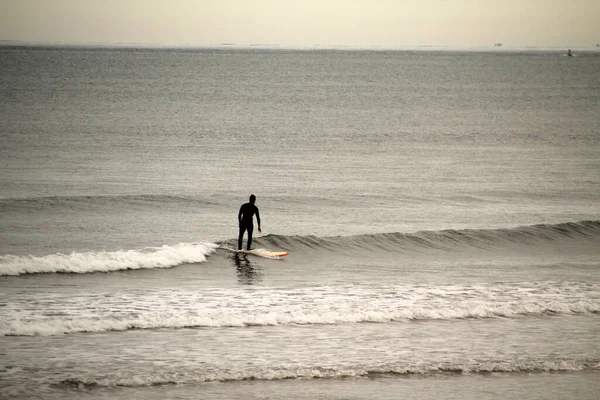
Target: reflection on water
(247, 271)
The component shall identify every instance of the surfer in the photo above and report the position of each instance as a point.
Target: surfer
(245, 219)
(570, 53)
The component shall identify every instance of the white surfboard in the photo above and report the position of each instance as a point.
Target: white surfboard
(263, 253)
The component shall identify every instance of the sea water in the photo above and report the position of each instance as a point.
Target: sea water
(442, 210)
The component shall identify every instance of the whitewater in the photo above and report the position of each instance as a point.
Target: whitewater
(318, 305)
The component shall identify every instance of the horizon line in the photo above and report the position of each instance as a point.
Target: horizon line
(498, 46)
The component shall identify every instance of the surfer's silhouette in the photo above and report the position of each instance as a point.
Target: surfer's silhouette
(245, 219)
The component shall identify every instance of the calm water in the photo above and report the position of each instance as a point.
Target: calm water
(442, 210)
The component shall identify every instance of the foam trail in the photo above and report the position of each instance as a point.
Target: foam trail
(60, 326)
(164, 377)
(105, 261)
(202, 309)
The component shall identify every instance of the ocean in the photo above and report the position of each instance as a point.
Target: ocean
(441, 209)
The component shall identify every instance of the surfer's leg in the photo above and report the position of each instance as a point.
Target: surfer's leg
(241, 236)
(250, 228)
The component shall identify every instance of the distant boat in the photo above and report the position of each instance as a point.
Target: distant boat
(498, 44)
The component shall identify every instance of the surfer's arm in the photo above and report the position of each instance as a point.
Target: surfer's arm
(258, 220)
(240, 214)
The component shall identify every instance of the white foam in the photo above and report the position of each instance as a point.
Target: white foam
(106, 261)
(161, 377)
(210, 317)
(56, 313)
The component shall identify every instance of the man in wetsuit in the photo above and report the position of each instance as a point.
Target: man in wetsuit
(245, 219)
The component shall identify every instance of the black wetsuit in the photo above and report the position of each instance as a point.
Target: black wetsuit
(245, 219)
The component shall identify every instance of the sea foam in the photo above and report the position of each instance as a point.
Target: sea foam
(107, 261)
(424, 368)
(203, 309)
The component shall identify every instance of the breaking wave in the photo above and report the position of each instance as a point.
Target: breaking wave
(107, 261)
(572, 235)
(333, 372)
(325, 305)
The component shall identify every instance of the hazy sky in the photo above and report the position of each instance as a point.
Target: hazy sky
(569, 23)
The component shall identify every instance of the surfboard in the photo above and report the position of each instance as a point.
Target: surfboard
(265, 253)
(261, 253)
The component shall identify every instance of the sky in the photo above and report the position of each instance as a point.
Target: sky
(385, 23)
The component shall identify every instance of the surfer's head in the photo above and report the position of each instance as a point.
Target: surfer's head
(252, 198)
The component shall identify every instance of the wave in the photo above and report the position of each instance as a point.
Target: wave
(578, 236)
(74, 202)
(316, 309)
(107, 261)
(332, 372)
(445, 240)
